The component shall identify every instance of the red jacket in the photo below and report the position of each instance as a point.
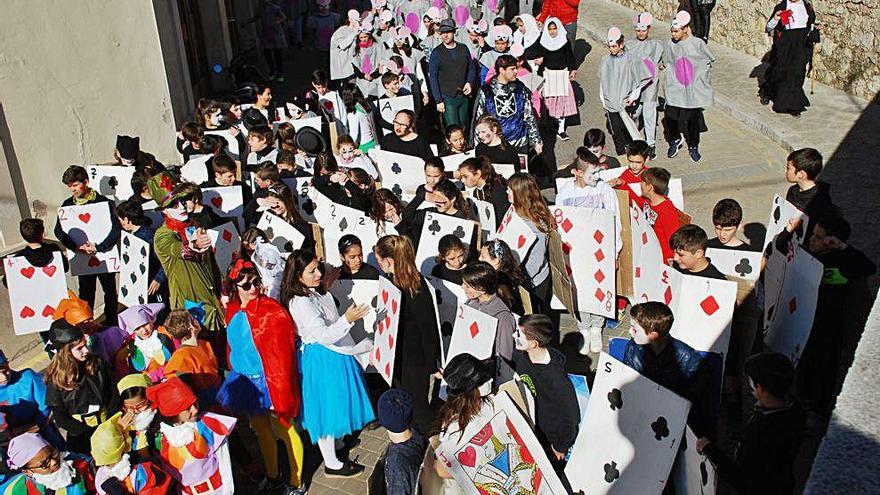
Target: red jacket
(665, 219)
(565, 10)
(274, 336)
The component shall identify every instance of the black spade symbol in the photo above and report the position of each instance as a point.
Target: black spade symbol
(777, 212)
(615, 399)
(661, 428)
(126, 242)
(459, 232)
(143, 251)
(611, 472)
(374, 302)
(308, 206)
(434, 227)
(396, 168)
(288, 247)
(125, 258)
(343, 224)
(133, 278)
(142, 268)
(124, 291)
(743, 268)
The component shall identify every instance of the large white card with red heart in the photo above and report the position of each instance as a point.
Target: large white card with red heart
(387, 326)
(588, 243)
(435, 227)
(226, 201)
(792, 313)
(112, 181)
(516, 233)
(400, 173)
(499, 453)
(638, 425)
(473, 333)
(134, 278)
(225, 242)
(651, 277)
(89, 223)
(34, 293)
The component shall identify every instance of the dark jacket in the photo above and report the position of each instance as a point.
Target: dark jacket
(98, 389)
(348, 195)
(418, 338)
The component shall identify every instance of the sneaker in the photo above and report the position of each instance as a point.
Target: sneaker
(695, 153)
(349, 469)
(652, 151)
(563, 136)
(595, 340)
(612, 324)
(585, 345)
(765, 100)
(673, 148)
(292, 490)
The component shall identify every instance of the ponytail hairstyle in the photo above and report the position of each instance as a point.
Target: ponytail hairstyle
(205, 108)
(451, 192)
(528, 202)
(507, 264)
(400, 249)
(484, 166)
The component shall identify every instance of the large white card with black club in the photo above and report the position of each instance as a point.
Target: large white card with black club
(400, 173)
(112, 181)
(451, 162)
(225, 242)
(630, 436)
(694, 473)
(588, 244)
(498, 453)
(473, 333)
(736, 263)
(795, 308)
(435, 227)
(34, 293)
(134, 275)
(516, 233)
(280, 233)
(226, 201)
(387, 324)
(89, 223)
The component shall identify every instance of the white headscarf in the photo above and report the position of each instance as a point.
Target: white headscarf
(532, 33)
(550, 42)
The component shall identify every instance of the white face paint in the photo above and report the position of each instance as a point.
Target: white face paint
(215, 119)
(520, 340)
(177, 213)
(126, 163)
(596, 150)
(143, 419)
(59, 479)
(638, 334)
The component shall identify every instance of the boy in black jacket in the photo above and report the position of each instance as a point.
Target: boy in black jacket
(808, 194)
(77, 181)
(772, 438)
(542, 369)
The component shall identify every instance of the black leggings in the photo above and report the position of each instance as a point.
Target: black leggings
(88, 285)
(275, 59)
(619, 133)
(686, 121)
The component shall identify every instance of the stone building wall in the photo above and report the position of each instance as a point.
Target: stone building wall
(848, 57)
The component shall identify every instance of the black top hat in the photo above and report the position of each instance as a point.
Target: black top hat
(465, 373)
(310, 141)
(62, 333)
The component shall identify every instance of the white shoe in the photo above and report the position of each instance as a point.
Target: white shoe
(585, 347)
(596, 343)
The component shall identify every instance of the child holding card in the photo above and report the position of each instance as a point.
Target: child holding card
(510, 276)
(353, 188)
(279, 199)
(260, 141)
(488, 185)
(388, 211)
(688, 244)
(132, 219)
(450, 259)
(480, 285)
(448, 200)
(351, 253)
(726, 219)
(418, 340)
(637, 158)
(435, 171)
(808, 194)
(658, 209)
(265, 176)
(77, 181)
(335, 400)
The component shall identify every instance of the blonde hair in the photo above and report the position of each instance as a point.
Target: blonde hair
(400, 249)
(528, 202)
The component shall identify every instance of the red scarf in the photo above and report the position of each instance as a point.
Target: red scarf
(179, 228)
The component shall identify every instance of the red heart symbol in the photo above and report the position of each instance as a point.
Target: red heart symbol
(390, 341)
(378, 355)
(48, 311)
(227, 235)
(26, 312)
(94, 261)
(468, 457)
(381, 327)
(521, 241)
(387, 322)
(85, 217)
(49, 270)
(384, 296)
(217, 201)
(388, 369)
(28, 272)
(393, 306)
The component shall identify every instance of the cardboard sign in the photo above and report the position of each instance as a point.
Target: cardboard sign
(89, 223)
(563, 288)
(134, 278)
(402, 174)
(34, 293)
(112, 181)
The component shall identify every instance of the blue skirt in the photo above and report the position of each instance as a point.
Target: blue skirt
(244, 395)
(335, 400)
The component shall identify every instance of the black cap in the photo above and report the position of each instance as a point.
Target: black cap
(253, 118)
(395, 410)
(62, 333)
(464, 373)
(447, 26)
(310, 141)
(128, 146)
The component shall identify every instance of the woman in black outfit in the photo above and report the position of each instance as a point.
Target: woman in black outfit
(479, 173)
(405, 140)
(418, 338)
(492, 144)
(448, 200)
(792, 27)
(353, 188)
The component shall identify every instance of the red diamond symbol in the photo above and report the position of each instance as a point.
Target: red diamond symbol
(566, 247)
(638, 272)
(598, 236)
(227, 235)
(644, 238)
(709, 305)
(567, 225)
(600, 295)
(599, 276)
(667, 296)
(475, 329)
(599, 255)
(792, 305)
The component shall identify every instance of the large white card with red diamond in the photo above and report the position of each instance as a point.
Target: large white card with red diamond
(34, 293)
(630, 436)
(473, 333)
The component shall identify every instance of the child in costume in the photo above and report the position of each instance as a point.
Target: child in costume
(263, 383)
(117, 473)
(148, 348)
(193, 447)
(559, 69)
(194, 360)
(103, 341)
(139, 414)
(45, 469)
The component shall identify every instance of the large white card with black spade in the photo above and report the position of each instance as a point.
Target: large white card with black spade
(226, 201)
(196, 169)
(387, 325)
(588, 244)
(498, 453)
(435, 227)
(781, 212)
(112, 181)
(134, 275)
(516, 233)
(388, 108)
(281, 234)
(231, 141)
(34, 293)
(775, 269)
(225, 242)
(341, 220)
(303, 192)
(704, 312)
(485, 211)
(447, 295)
(736, 263)
(795, 308)
(366, 292)
(631, 435)
(89, 223)
(694, 473)
(402, 174)
(473, 333)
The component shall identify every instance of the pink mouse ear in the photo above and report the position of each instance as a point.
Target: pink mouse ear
(439, 4)
(367, 65)
(412, 22)
(461, 14)
(483, 26)
(493, 5)
(354, 15)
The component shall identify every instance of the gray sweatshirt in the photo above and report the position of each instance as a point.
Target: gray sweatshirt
(496, 308)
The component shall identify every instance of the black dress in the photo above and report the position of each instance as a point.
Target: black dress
(497, 154)
(791, 52)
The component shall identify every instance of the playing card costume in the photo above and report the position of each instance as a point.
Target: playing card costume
(793, 36)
